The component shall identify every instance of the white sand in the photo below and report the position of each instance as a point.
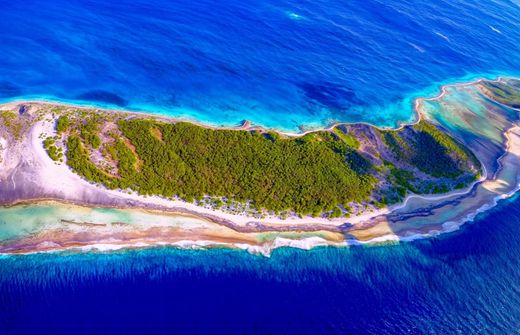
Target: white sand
(55, 181)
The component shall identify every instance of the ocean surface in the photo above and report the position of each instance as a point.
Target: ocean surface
(278, 63)
(467, 282)
(284, 64)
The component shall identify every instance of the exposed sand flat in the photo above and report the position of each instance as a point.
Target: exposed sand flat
(489, 129)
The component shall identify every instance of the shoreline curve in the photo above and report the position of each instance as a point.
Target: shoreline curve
(513, 131)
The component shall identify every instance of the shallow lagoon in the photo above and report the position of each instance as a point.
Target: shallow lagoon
(369, 64)
(466, 282)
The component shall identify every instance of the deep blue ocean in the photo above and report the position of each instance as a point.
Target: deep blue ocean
(277, 63)
(467, 282)
(281, 64)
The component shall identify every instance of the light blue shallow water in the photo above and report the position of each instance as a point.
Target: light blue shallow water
(281, 64)
(462, 283)
(278, 63)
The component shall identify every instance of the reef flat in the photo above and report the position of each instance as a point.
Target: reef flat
(256, 188)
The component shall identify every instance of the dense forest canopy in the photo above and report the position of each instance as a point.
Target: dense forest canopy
(310, 174)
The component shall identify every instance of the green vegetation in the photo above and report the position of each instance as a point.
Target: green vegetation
(350, 140)
(309, 175)
(438, 154)
(424, 160)
(12, 122)
(429, 150)
(89, 136)
(320, 173)
(78, 159)
(62, 124)
(53, 152)
(394, 141)
(403, 178)
(336, 213)
(430, 157)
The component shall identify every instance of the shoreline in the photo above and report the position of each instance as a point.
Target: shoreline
(359, 226)
(248, 124)
(411, 97)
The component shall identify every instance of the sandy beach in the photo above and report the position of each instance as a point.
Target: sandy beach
(29, 176)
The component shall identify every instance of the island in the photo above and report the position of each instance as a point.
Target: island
(175, 182)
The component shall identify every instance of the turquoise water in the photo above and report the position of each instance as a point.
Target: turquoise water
(462, 283)
(21, 221)
(281, 64)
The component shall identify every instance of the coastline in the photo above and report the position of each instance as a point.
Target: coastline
(407, 102)
(380, 226)
(248, 124)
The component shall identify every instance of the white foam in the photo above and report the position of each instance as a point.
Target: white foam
(294, 16)
(416, 47)
(443, 36)
(495, 29)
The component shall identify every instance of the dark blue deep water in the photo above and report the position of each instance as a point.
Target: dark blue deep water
(467, 282)
(280, 63)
